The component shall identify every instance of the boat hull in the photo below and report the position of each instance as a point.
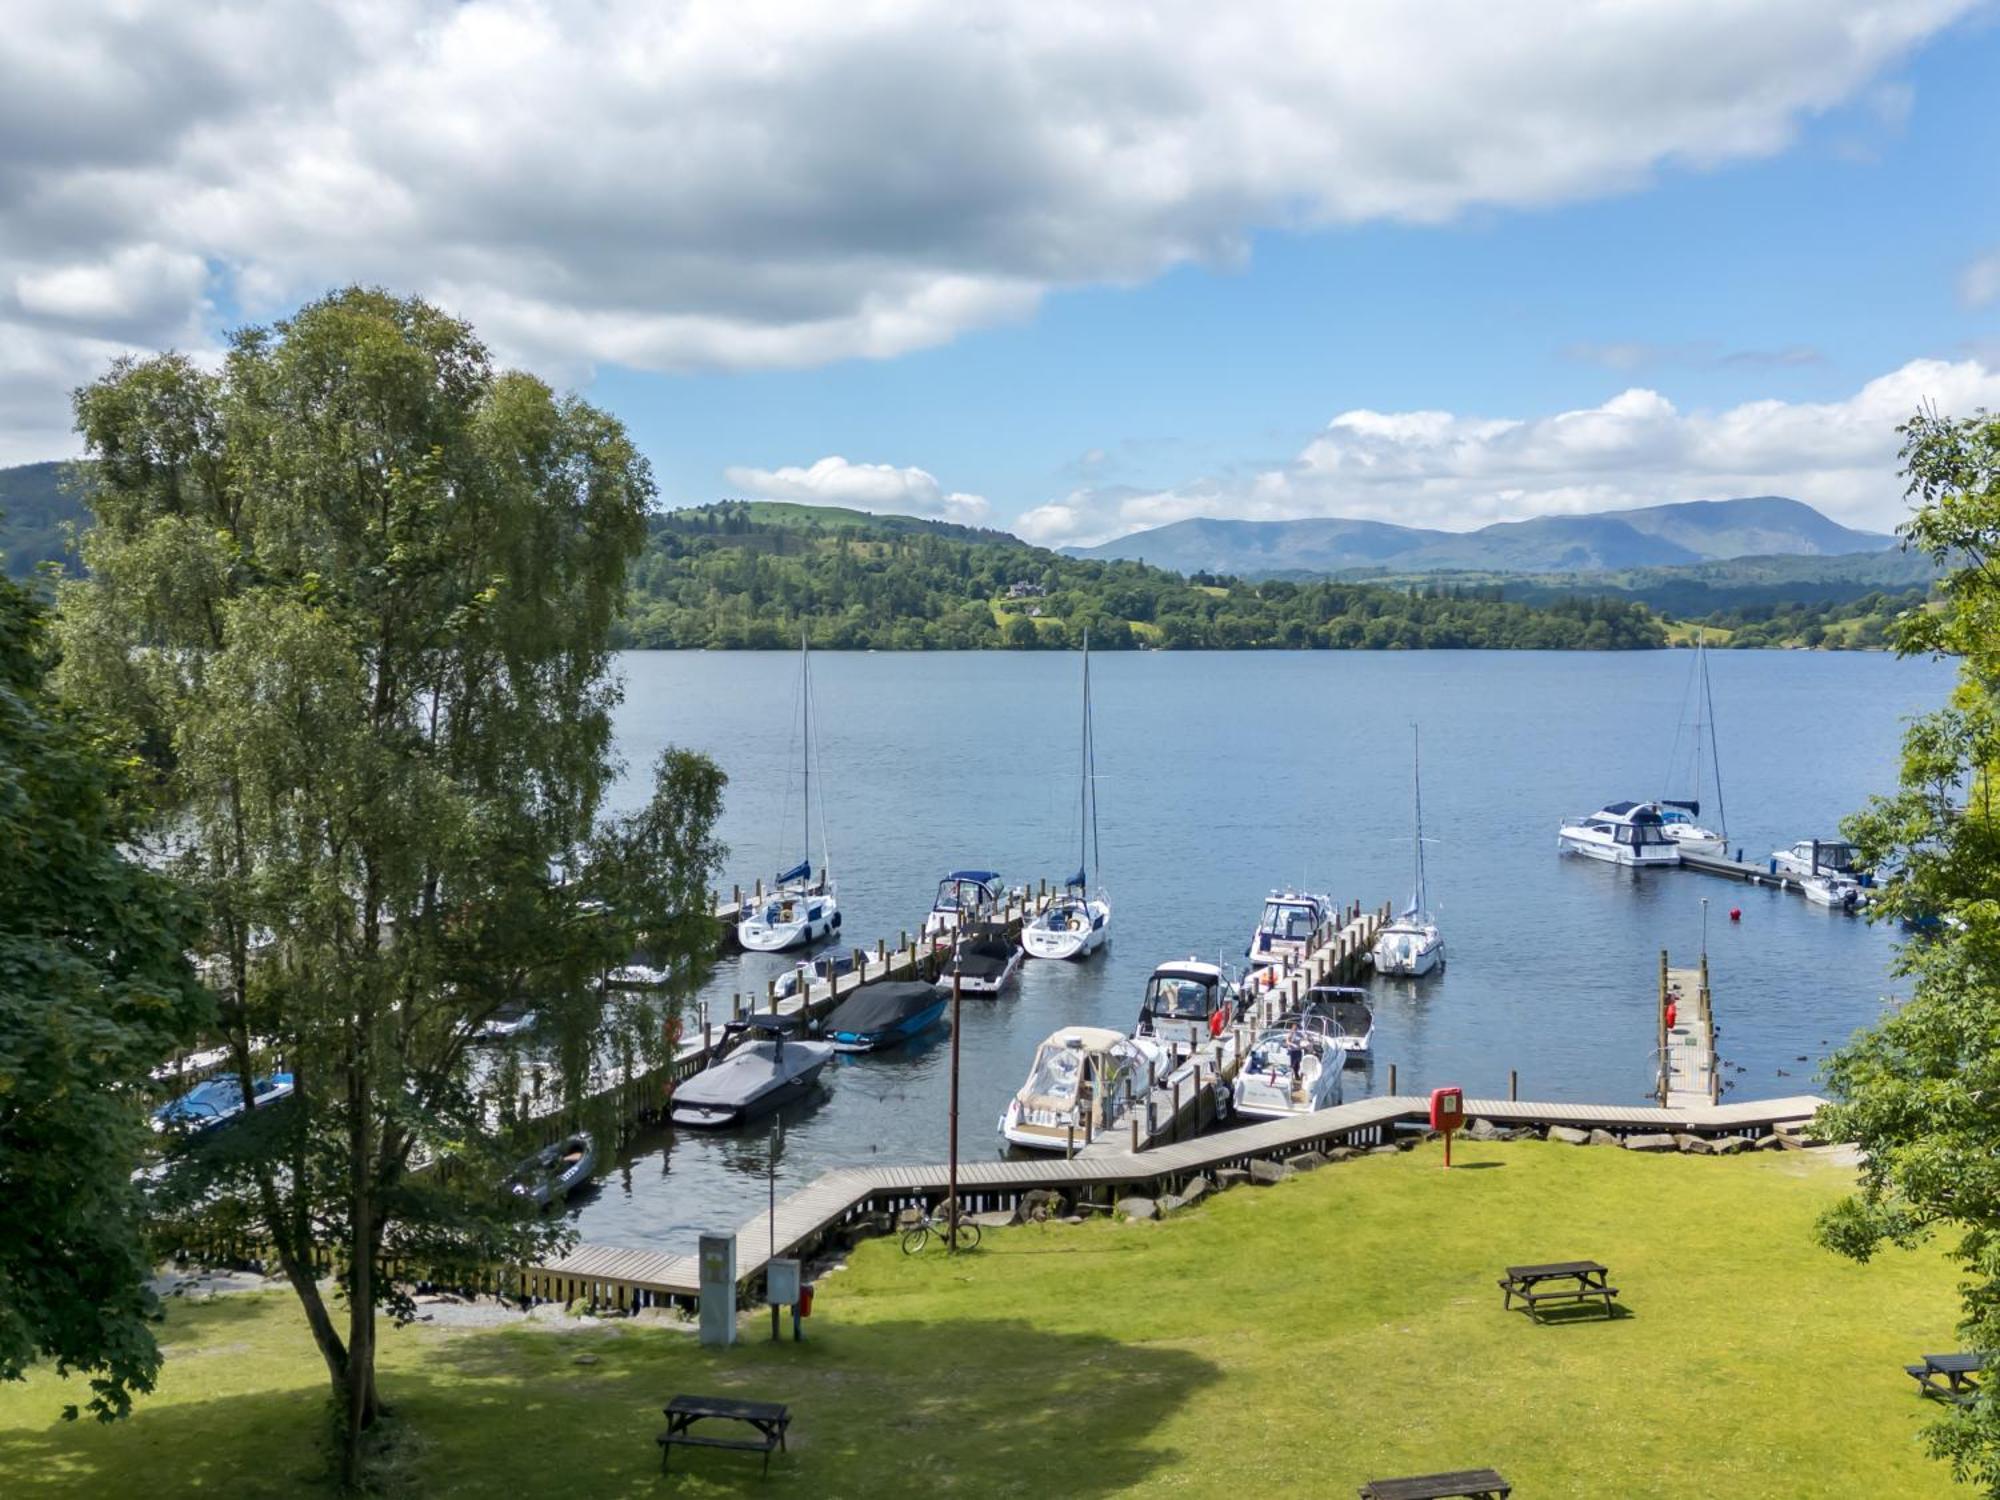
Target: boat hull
(1407, 960)
(777, 937)
(890, 1036)
(982, 982)
(1077, 941)
(1611, 853)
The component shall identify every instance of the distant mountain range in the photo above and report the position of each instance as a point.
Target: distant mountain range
(1656, 536)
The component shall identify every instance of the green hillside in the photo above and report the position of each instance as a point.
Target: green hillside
(35, 505)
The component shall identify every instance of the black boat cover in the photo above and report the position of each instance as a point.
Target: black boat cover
(877, 1007)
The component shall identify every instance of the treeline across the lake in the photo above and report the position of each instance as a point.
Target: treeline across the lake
(1864, 624)
(737, 576)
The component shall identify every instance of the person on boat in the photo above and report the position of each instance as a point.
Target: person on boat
(1295, 1049)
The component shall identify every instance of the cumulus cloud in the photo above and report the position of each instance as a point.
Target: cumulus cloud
(766, 183)
(877, 487)
(1979, 282)
(1442, 469)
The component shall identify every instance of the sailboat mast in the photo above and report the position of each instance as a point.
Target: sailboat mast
(1714, 747)
(1417, 781)
(1083, 819)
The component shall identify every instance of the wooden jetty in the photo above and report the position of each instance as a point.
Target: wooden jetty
(1689, 1078)
(1739, 869)
(804, 1220)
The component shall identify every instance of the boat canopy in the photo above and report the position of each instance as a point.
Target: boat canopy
(1061, 1063)
(877, 1007)
(1182, 994)
(1076, 879)
(1689, 806)
(800, 871)
(983, 877)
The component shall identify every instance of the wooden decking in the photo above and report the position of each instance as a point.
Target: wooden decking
(1689, 1076)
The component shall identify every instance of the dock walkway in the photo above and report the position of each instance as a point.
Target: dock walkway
(1689, 1077)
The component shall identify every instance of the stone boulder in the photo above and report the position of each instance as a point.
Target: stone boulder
(910, 1217)
(1195, 1189)
(1004, 1218)
(1385, 1150)
(1043, 1203)
(1569, 1135)
(1728, 1145)
(1661, 1142)
(1343, 1153)
(1486, 1130)
(1264, 1173)
(1694, 1145)
(1604, 1138)
(1768, 1143)
(1305, 1161)
(1229, 1177)
(1137, 1208)
(1168, 1202)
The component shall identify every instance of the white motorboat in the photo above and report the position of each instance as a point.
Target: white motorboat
(1287, 926)
(1412, 945)
(963, 897)
(801, 908)
(1084, 1083)
(1343, 1013)
(764, 1065)
(1292, 1069)
(1187, 1002)
(1620, 833)
(1678, 816)
(824, 969)
(1831, 888)
(1817, 857)
(983, 961)
(1078, 922)
(504, 1024)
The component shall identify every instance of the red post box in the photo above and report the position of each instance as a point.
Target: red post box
(1447, 1114)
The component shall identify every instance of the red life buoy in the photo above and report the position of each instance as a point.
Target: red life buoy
(1216, 1022)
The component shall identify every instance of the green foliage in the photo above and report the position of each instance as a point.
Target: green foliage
(355, 592)
(94, 992)
(751, 576)
(1918, 1090)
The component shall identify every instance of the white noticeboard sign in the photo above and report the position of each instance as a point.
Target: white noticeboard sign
(718, 1289)
(781, 1282)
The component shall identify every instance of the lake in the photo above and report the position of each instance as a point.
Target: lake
(1223, 775)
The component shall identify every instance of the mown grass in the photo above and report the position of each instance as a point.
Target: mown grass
(1292, 1340)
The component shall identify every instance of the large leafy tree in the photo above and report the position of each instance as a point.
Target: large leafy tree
(95, 990)
(1920, 1091)
(355, 591)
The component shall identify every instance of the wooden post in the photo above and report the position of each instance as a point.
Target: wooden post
(881, 951)
(760, 890)
(736, 897)
(1177, 1111)
(951, 1244)
(1513, 1086)
(1069, 1147)
(1135, 1132)
(736, 1006)
(1392, 1079)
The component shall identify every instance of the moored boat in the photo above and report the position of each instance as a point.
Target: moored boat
(219, 1100)
(982, 962)
(1412, 945)
(1292, 1069)
(766, 1063)
(1678, 815)
(1817, 857)
(801, 908)
(1831, 888)
(1085, 1081)
(1287, 926)
(1187, 1002)
(1621, 833)
(963, 897)
(882, 1015)
(1076, 923)
(824, 969)
(1341, 1012)
(555, 1171)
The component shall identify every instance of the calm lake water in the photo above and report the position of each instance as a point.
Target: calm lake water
(1222, 775)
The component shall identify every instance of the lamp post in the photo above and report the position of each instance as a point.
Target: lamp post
(957, 984)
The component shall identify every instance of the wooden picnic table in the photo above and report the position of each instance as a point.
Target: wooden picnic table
(1460, 1484)
(1558, 1281)
(1947, 1376)
(768, 1418)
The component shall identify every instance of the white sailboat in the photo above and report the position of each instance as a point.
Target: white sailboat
(801, 907)
(1412, 944)
(1078, 922)
(1678, 815)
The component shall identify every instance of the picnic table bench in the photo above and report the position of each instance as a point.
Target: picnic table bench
(1574, 1281)
(1463, 1484)
(768, 1418)
(1946, 1376)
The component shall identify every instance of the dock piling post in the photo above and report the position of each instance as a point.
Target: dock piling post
(1513, 1086)
(1392, 1080)
(736, 1006)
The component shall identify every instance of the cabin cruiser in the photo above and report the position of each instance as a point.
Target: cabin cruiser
(1075, 925)
(881, 1015)
(797, 911)
(1285, 931)
(1293, 1069)
(764, 1064)
(1342, 1014)
(506, 1023)
(1084, 1083)
(825, 969)
(555, 1171)
(983, 961)
(1817, 857)
(218, 1101)
(962, 896)
(1187, 1002)
(1832, 888)
(1621, 833)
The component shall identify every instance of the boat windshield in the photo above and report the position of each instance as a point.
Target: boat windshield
(1640, 834)
(1290, 921)
(1182, 996)
(1058, 1071)
(960, 895)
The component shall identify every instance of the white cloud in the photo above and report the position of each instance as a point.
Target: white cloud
(766, 183)
(876, 487)
(1979, 282)
(1434, 468)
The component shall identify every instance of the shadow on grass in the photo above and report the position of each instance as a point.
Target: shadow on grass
(1579, 1312)
(1475, 1166)
(888, 1408)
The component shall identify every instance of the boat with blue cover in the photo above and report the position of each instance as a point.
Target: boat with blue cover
(884, 1015)
(218, 1101)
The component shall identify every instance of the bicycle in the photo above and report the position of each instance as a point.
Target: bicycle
(919, 1234)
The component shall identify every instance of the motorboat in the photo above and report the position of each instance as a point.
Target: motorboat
(506, 1023)
(766, 1062)
(1342, 1014)
(1817, 857)
(1831, 888)
(1621, 833)
(1292, 1069)
(1187, 1002)
(1084, 1083)
(825, 969)
(219, 1100)
(1412, 945)
(1287, 926)
(983, 961)
(802, 907)
(882, 1015)
(963, 896)
(1679, 815)
(555, 1171)
(1078, 922)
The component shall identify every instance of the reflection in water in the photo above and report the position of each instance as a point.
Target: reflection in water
(1552, 959)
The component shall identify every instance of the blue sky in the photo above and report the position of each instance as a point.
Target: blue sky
(1072, 270)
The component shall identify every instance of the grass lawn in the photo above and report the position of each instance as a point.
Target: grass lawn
(1292, 1340)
